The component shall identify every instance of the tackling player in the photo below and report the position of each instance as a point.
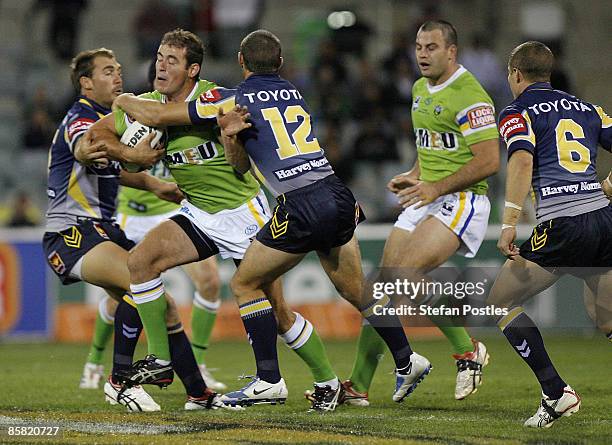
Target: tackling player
(552, 140)
(81, 241)
(222, 213)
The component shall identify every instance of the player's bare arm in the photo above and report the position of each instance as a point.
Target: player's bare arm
(406, 179)
(152, 112)
(484, 163)
(87, 151)
(167, 191)
(104, 131)
(518, 183)
(231, 123)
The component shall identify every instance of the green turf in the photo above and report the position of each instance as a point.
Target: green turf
(40, 383)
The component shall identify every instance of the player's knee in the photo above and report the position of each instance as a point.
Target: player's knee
(241, 289)
(143, 265)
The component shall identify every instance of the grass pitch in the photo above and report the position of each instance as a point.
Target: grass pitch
(40, 387)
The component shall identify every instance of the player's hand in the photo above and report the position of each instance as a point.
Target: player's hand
(420, 193)
(400, 182)
(142, 153)
(169, 191)
(117, 103)
(89, 151)
(506, 245)
(234, 121)
(607, 188)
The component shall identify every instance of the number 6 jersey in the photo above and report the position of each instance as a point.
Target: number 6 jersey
(281, 143)
(562, 132)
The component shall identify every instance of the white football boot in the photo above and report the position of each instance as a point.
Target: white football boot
(469, 370)
(134, 398)
(552, 409)
(257, 392)
(407, 379)
(92, 375)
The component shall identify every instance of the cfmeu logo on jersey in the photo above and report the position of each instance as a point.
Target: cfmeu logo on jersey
(10, 276)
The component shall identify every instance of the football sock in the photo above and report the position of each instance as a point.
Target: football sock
(203, 315)
(459, 338)
(390, 330)
(303, 339)
(184, 363)
(609, 336)
(127, 330)
(151, 303)
(370, 350)
(526, 339)
(260, 326)
(103, 329)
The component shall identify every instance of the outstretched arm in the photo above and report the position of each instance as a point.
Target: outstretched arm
(152, 112)
(167, 191)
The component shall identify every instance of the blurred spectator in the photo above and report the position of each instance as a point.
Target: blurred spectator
(332, 145)
(63, 25)
(39, 121)
(232, 21)
(154, 18)
(481, 61)
(22, 213)
(375, 141)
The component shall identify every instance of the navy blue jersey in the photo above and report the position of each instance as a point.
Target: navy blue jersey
(76, 191)
(562, 132)
(282, 146)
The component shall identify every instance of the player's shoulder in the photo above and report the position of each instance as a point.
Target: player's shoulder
(469, 89)
(419, 85)
(514, 107)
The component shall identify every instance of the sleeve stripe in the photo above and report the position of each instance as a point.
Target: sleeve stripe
(209, 110)
(606, 121)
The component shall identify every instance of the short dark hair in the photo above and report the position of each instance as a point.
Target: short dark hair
(261, 51)
(180, 38)
(82, 65)
(534, 59)
(448, 30)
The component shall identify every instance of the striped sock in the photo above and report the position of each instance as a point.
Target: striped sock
(151, 303)
(260, 326)
(127, 330)
(390, 330)
(527, 341)
(103, 330)
(303, 339)
(203, 316)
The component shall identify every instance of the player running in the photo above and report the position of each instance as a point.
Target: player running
(446, 209)
(552, 140)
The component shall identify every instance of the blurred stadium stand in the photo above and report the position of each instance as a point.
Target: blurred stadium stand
(365, 58)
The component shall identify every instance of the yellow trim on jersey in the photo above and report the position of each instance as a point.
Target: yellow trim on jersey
(128, 300)
(460, 211)
(123, 221)
(258, 218)
(507, 319)
(261, 306)
(606, 121)
(530, 137)
(210, 110)
(75, 192)
(86, 102)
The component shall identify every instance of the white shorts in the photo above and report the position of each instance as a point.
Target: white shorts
(465, 213)
(231, 230)
(137, 226)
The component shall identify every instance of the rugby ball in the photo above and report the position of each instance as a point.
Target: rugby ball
(136, 132)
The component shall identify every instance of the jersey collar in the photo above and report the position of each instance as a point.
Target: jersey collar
(451, 79)
(93, 104)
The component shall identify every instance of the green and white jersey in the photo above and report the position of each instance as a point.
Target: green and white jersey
(135, 202)
(447, 119)
(196, 161)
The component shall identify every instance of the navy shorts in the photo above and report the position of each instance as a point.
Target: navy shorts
(65, 248)
(572, 241)
(318, 217)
